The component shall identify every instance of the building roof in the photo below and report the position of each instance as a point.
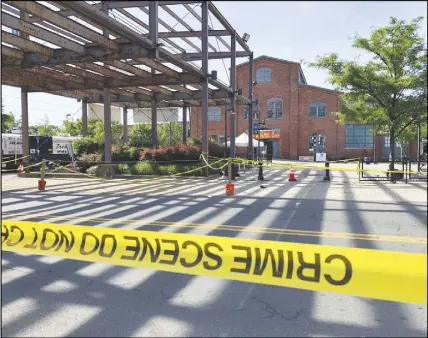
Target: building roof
(292, 62)
(269, 58)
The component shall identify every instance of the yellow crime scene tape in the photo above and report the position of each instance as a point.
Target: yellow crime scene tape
(143, 179)
(301, 166)
(16, 159)
(29, 166)
(385, 275)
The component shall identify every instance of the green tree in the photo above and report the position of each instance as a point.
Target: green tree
(44, 129)
(7, 122)
(141, 135)
(170, 133)
(95, 130)
(387, 91)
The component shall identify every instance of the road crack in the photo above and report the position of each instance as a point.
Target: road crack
(275, 313)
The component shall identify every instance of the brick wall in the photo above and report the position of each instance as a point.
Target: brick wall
(296, 124)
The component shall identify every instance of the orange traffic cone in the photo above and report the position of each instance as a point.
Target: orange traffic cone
(230, 189)
(291, 177)
(20, 168)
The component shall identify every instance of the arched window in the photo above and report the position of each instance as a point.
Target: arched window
(263, 75)
(318, 109)
(317, 142)
(274, 109)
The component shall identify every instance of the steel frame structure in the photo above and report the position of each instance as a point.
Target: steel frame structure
(100, 52)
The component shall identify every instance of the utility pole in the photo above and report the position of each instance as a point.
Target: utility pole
(225, 133)
(419, 144)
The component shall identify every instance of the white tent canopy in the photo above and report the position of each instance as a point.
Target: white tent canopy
(242, 141)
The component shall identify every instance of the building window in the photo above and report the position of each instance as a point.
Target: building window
(263, 75)
(274, 109)
(214, 113)
(358, 136)
(317, 142)
(318, 109)
(256, 110)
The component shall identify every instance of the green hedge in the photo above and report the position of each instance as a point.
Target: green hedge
(150, 168)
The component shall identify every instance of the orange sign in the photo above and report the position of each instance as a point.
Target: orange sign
(268, 134)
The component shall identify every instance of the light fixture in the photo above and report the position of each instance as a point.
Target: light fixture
(246, 37)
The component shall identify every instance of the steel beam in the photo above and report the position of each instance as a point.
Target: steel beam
(66, 69)
(107, 126)
(125, 125)
(40, 33)
(146, 26)
(157, 66)
(24, 121)
(186, 25)
(130, 97)
(153, 26)
(155, 89)
(107, 22)
(130, 4)
(226, 25)
(154, 124)
(163, 23)
(92, 54)
(204, 82)
(233, 99)
(113, 83)
(185, 124)
(212, 55)
(106, 72)
(86, 10)
(197, 16)
(84, 117)
(127, 67)
(44, 13)
(250, 110)
(192, 33)
(104, 8)
(12, 52)
(25, 45)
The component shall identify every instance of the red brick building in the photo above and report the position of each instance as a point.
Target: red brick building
(299, 116)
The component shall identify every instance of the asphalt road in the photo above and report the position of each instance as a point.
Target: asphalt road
(48, 296)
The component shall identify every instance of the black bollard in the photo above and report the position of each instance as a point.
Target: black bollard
(261, 178)
(327, 172)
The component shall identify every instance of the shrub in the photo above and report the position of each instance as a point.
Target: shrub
(86, 161)
(134, 153)
(123, 168)
(119, 153)
(171, 153)
(92, 170)
(216, 150)
(87, 145)
(145, 168)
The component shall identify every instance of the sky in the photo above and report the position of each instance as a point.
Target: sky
(295, 31)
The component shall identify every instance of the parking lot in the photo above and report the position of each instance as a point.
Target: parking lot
(48, 296)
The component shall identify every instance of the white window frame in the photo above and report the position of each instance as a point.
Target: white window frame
(317, 106)
(214, 113)
(264, 75)
(276, 102)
